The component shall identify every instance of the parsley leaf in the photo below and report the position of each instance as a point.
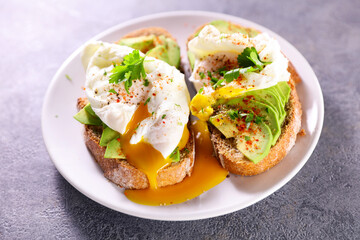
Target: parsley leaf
(249, 117)
(113, 91)
(247, 138)
(249, 58)
(202, 75)
(130, 69)
(201, 90)
(146, 82)
(175, 155)
(163, 116)
(233, 114)
(221, 71)
(235, 73)
(147, 100)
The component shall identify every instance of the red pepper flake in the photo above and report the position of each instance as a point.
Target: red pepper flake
(117, 100)
(154, 94)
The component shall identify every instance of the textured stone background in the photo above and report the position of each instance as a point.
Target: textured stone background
(321, 201)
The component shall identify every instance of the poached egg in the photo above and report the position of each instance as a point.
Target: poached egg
(152, 118)
(213, 50)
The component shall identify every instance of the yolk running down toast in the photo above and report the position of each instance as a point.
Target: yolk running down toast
(206, 174)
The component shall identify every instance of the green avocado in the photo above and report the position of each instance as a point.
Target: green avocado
(224, 124)
(143, 43)
(266, 97)
(108, 135)
(113, 150)
(254, 142)
(160, 47)
(285, 89)
(191, 58)
(159, 52)
(259, 109)
(168, 52)
(173, 50)
(87, 116)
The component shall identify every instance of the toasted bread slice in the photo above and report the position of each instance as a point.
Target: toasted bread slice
(119, 171)
(235, 162)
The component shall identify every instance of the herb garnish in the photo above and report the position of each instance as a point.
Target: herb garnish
(175, 155)
(146, 82)
(247, 138)
(202, 75)
(249, 61)
(201, 90)
(233, 114)
(68, 77)
(130, 69)
(113, 91)
(147, 100)
(163, 116)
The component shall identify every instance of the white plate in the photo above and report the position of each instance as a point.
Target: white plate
(64, 136)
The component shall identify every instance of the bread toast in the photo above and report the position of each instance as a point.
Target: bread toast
(119, 171)
(233, 160)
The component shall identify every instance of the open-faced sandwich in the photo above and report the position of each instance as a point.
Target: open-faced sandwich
(136, 114)
(246, 94)
(144, 100)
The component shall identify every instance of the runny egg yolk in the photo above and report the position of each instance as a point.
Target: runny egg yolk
(206, 174)
(142, 155)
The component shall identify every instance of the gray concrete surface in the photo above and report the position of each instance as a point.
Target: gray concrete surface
(321, 202)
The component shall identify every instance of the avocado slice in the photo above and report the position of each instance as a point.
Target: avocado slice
(142, 43)
(158, 47)
(285, 89)
(254, 142)
(273, 96)
(173, 50)
(259, 109)
(159, 52)
(108, 135)
(87, 116)
(224, 124)
(191, 58)
(113, 150)
(168, 52)
(266, 97)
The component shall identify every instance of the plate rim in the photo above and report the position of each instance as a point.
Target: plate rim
(207, 214)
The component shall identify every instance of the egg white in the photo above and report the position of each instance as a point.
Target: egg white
(210, 44)
(168, 93)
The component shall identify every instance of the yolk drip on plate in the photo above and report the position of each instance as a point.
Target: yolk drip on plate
(142, 155)
(206, 174)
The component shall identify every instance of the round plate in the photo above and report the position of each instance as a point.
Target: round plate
(64, 136)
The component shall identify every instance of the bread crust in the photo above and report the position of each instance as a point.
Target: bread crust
(119, 171)
(235, 162)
